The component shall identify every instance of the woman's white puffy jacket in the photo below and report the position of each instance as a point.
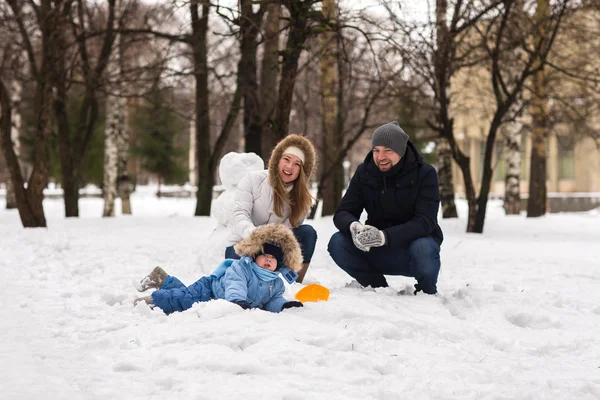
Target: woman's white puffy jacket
(254, 206)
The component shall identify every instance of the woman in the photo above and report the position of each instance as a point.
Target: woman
(279, 194)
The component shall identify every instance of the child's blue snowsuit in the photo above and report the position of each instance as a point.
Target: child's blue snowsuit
(239, 282)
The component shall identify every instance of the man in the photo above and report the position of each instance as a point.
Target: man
(400, 194)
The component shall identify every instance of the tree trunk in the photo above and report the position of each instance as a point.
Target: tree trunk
(116, 154)
(193, 176)
(116, 144)
(464, 163)
(11, 198)
(29, 200)
(69, 167)
(445, 150)
(206, 176)
(331, 101)
(536, 204)
(444, 169)
(298, 33)
(247, 77)
(111, 133)
(488, 172)
(268, 79)
(124, 184)
(68, 170)
(74, 142)
(512, 192)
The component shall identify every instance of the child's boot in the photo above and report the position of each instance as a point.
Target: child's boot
(155, 280)
(147, 300)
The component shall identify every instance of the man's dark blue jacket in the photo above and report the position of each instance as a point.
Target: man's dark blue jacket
(403, 202)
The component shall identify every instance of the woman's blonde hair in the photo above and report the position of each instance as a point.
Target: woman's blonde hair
(299, 199)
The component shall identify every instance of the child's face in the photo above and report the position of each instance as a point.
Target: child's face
(266, 261)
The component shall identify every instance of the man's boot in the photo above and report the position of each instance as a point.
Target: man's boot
(301, 273)
(155, 280)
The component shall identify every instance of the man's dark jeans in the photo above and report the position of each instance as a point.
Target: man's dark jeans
(421, 260)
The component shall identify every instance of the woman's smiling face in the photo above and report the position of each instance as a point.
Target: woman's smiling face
(289, 168)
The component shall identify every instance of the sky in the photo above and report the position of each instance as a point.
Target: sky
(517, 315)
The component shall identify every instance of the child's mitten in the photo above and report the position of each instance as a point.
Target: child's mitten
(291, 304)
(242, 303)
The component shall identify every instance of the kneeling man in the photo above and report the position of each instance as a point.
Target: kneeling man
(400, 194)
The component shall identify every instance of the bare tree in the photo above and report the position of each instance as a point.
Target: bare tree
(42, 36)
(536, 203)
(332, 92)
(114, 129)
(249, 29)
(75, 132)
(304, 21)
(269, 77)
(443, 72)
(498, 39)
(362, 95)
(437, 51)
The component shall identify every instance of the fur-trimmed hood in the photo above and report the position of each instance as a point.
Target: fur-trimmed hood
(277, 234)
(303, 144)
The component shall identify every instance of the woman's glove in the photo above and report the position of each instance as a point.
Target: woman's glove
(371, 237)
(242, 303)
(291, 304)
(355, 229)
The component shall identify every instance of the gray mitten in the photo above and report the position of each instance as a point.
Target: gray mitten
(371, 237)
(355, 229)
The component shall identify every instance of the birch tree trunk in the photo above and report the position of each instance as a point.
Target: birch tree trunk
(114, 126)
(11, 198)
(512, 193)
(536, 203)
(192, 153)
(268, 78)
(124, 185)
(330, 113)
(109, 186)
(444, 169)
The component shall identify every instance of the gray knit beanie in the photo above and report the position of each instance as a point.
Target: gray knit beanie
(391, 136)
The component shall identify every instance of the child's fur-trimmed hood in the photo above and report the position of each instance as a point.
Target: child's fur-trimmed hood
(277, 234)
(300, 142)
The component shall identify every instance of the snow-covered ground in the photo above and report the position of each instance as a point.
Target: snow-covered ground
(518, 315)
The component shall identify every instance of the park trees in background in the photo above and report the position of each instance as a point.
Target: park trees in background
(436, 52)
(266, 67)
(510, 72)
(45, 18)
(156, 116)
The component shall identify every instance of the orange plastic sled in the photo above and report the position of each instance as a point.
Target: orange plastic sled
(312, 293)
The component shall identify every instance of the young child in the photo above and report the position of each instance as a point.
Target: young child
(251, 282)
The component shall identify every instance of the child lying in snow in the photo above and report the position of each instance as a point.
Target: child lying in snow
(251, 282)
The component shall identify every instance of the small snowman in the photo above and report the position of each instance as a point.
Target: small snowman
(232, 168)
